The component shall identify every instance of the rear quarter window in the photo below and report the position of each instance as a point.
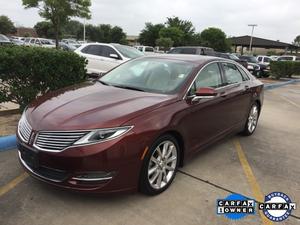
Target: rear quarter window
(190, 51)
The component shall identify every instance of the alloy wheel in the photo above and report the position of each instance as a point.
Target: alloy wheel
(162, 165)
(252, 119)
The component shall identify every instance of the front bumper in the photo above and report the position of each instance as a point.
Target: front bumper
(101, 168)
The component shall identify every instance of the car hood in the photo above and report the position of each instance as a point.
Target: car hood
(91, 105)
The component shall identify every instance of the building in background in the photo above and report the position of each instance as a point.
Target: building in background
(25, 32)
(261, 46)
(132, 40)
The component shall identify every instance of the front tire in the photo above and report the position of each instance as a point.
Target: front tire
(159, 166)
(252, 120)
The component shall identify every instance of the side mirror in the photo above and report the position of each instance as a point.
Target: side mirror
(95, 76)
(204, 93)
(114, 56)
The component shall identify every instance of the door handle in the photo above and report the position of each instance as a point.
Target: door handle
(247, 87)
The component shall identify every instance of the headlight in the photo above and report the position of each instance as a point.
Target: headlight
(250, 67)
(101, 135)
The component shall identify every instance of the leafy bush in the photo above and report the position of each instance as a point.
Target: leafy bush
(26, 73)
(284, 68)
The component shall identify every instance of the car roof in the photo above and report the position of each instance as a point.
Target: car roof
(193, 47)
(198, 59)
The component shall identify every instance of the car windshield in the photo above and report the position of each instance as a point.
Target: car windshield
(128, 52)
(149, 74)
(233, 57)
(3, 38)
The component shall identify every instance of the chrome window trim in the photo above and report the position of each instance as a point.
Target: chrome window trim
(219, 88)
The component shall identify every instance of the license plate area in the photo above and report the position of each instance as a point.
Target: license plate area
(30, 157)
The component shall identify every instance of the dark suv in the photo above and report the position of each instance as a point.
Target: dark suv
(193, 50)
(232, 57)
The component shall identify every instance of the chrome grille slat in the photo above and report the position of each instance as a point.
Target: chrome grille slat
(24, 129)
(52, 141)
(62, 134)
(53, 144)
(57, 141)
(62, 137)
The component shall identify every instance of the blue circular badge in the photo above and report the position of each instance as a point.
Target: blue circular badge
(277, 206)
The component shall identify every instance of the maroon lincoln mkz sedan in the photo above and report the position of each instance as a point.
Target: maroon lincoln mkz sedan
(132, 128)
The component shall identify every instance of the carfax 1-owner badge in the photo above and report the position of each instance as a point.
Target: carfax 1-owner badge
(276, 207)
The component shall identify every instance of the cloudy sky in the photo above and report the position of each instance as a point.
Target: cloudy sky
(276, 19)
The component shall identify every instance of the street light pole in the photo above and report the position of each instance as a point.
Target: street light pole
(84, 30)
(251, 39)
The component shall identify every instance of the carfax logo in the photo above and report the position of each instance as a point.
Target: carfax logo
(235, 206)
(277, 206)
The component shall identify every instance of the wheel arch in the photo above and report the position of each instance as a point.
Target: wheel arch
(180, 141)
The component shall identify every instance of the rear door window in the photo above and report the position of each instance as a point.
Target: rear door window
(232, 74)
(93, 50)
(210, 76)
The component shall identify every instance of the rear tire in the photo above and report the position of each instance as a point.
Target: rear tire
(159, 166)
(252, 120)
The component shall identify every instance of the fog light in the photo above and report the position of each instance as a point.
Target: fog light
(94, 176)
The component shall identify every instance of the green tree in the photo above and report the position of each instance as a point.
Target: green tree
(150, 34)
(105, 33)
(297, 41)
(215, 38)
(117, 35)
(185, 26)
(165, 43)
(45, 29)
(59, 12)
(196, 39)
(6, 25)
(174, 33)
(72, 29)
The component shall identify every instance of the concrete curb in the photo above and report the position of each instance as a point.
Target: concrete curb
(280, 84)
(9, 142)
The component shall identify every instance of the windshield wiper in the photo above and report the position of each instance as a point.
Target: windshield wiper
(102, 82)
(128, 87)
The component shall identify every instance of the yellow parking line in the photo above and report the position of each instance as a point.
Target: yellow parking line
(290, 101)
(256, 190)
(7, 187)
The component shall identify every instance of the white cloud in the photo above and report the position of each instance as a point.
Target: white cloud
(276, 19)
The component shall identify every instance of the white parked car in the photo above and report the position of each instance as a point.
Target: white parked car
(103, 57)
(263, 59)
(288, 58)
(39, 42)
(274, 57)
(72, 42)
(147, 50)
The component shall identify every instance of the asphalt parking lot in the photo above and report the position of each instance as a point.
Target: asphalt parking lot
(252, 166)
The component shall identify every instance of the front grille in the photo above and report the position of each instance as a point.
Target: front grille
(24, 129)
(57, 141)
(42, 171)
